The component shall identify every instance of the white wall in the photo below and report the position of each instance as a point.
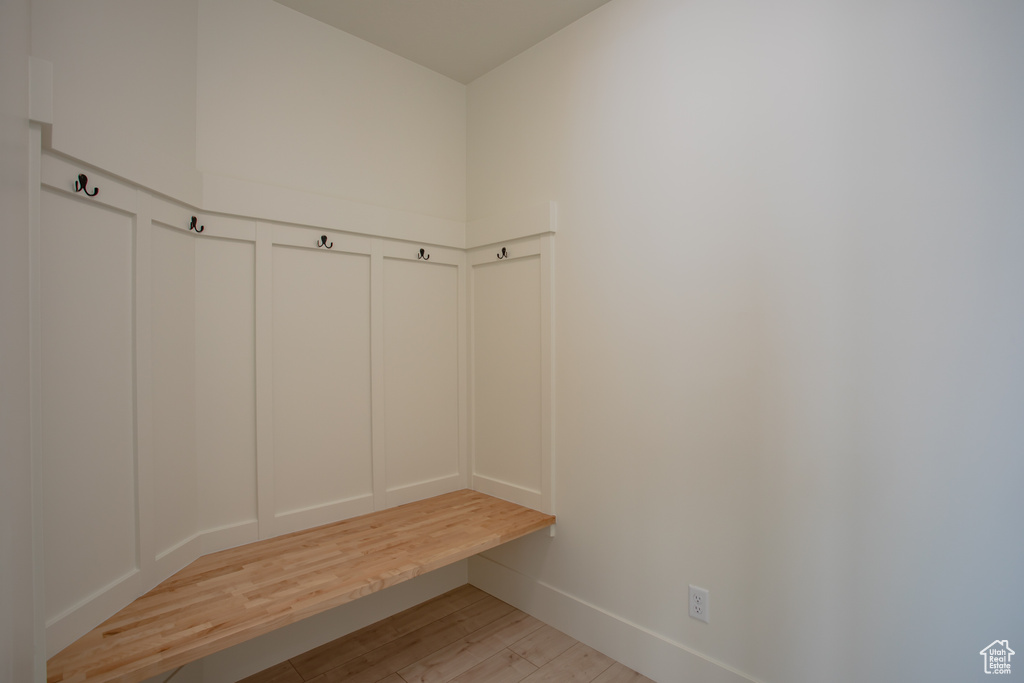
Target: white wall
(288, 101)
(788, 327)
(163, 92)
(124, 86)
(17, 611)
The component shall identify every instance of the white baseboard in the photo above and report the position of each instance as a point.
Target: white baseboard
(519, 495)
(71, 625)
(410, 493)
(94, 609)
(653, 655)
(317, 515)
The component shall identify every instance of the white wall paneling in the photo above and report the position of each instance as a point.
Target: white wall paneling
(321, 458)
(225, 404)
(37, 505)
(510, 299)
(84, 340)
(203, 397)
(423, 352)
(145, 344)
(207, 380)
(173, 305)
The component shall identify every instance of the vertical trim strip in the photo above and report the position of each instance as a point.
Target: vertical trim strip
(264, 379)
(378, 428)
(145, 485)
(35, 407)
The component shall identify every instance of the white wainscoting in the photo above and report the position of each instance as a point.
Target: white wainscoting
(205, 380)
(510, 293)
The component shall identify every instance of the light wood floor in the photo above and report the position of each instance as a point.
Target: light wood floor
(464, 636)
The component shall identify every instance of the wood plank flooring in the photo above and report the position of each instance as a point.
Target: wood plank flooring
(228, 597)
(463, 636)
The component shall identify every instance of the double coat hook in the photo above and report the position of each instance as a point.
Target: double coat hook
(503, 253)
(323, 242)
(192, 226)
(80, 184)
(423, 255)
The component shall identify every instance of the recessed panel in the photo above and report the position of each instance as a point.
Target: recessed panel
(174, 387)
(321, 359)
(225, 382)
(421, 371)
(507, 372)
(86, 398)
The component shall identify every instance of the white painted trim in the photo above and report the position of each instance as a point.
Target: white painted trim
(175, 558)
(179, 217)
(228, 536)
(35, 407)
(68, 626)
(522, 248)
(264, 342)
(257, 201)
(547, 371)
(409, 493)
(145, 465)
(356, 229)
(187, 551)
(40, 97)
(61, 175)
(324, 513)
(378, 406)
(652, 654)
(470, 430)
(288, 235)
(464, 398)
(513, 493)
(50, 173)
(542, 247)
(226, 227)
(170, 214)
(409, 251)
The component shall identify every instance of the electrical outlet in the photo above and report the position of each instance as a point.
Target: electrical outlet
(699, 603)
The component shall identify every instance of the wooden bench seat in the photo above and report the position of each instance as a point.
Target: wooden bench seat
(231, 596)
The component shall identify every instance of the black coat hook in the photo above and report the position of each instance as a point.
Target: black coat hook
(323, 242)
(503, 254)
(423, 255)
(193, 225)
(80, 184)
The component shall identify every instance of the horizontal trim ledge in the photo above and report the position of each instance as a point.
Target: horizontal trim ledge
(262, 202)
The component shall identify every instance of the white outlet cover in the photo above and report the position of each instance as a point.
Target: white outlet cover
(699, 603)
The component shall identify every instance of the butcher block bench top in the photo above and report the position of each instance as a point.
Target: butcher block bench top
(228, 597)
